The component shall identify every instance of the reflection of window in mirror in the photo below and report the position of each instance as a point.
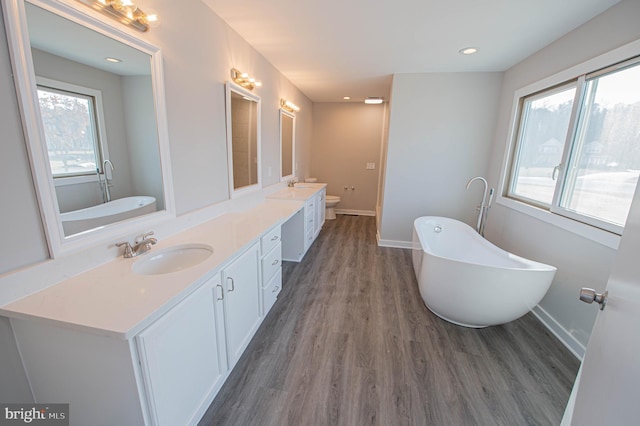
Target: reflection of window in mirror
(243, 139)
(72, 119)
(72, 99)
(287, 144)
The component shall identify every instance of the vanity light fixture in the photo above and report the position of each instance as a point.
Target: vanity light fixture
(346, 98)
(124, 11)
(244, 80)
(373, 100)
(289, 106)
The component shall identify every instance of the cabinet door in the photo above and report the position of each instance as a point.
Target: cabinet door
(181, 361)
(319, 212)
(241, 302)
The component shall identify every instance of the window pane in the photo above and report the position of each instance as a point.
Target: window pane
(605, 161)
(68, 127)
(543, 130)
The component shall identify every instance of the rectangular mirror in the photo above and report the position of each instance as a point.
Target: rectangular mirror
(243, 139)
(287, 144)
(93, 105)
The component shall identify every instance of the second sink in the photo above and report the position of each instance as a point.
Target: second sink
(172, 259)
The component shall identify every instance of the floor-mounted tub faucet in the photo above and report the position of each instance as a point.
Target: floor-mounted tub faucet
(484, 206)
(107, 181)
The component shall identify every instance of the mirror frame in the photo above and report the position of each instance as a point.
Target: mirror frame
(232, 87)
(24, 77)
(286, 113)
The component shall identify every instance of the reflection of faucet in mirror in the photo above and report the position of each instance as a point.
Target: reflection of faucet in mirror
(106, 185)
(484, 206)
(60, 59)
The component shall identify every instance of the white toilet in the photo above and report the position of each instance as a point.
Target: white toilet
(330, 203)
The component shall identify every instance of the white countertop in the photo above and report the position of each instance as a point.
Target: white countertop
(115, 301)
(300, 192)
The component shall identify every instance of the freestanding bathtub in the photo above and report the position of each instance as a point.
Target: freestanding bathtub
(466, 280)
(81, 220)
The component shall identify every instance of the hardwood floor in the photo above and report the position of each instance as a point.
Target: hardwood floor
(350, 342)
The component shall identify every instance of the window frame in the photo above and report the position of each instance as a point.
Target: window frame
(102, 149)
(591, 228)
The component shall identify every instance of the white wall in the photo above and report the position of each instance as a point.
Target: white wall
(23, 239)
(347, 136)
(580, 261)
(142, 134)
(199, 50)
(440, 134)
(198, 57)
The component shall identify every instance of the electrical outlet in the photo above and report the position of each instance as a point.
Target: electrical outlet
(371, 166)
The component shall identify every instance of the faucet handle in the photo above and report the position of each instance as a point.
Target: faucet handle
(128, 250)
(143, 237)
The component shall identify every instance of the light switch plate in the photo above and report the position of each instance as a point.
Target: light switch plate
(371, 166)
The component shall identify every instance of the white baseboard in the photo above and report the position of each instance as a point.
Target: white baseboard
(566, 338)
(392, 243)
(356, 212)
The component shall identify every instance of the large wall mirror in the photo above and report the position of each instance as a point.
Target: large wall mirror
(287, 144)
(243, 139)
(92, 103)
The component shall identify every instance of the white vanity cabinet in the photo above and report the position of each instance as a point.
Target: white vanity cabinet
(183, 357)
(134, 349)
(241, 300)
(271, 268)
(314, 213)
(299, 232)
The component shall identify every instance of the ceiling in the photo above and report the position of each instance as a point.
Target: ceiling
(335, 48)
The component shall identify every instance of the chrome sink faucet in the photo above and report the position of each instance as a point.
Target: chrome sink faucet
(142, 244)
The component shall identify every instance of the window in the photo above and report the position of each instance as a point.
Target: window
(578, 147)
(70, 121)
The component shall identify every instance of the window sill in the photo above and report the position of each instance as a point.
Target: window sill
(589, 232)
(75, 180)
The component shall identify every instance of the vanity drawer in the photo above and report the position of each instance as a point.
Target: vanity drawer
(270, 292)
(271, 263)
(270, 240)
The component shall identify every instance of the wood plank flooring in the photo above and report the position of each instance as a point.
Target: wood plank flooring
(350, 342)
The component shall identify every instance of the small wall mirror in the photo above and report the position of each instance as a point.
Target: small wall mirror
(243, 139)
(287, 144)
(93, 107)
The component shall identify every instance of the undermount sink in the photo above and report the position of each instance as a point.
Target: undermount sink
(172, 259)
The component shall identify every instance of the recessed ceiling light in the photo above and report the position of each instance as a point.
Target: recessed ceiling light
(468, 50)
(114, 60)
(373, 100)
(346, 98)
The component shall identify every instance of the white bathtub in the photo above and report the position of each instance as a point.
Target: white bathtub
(103, 214)
(468, 281)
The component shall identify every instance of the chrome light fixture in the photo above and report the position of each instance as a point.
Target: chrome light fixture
(289, 106)
(124, 11)
(244, 80)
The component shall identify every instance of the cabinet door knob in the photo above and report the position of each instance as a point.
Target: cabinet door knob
(275, 237)
(276, 288)
(233, 285)
(275, 262)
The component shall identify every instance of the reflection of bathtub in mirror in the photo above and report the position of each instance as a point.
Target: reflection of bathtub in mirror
(103, 214)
